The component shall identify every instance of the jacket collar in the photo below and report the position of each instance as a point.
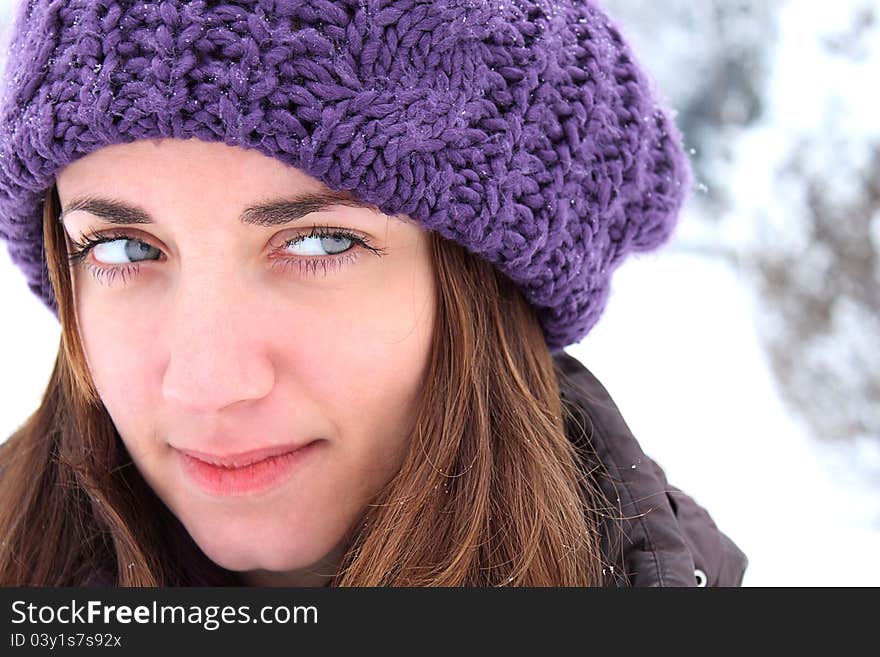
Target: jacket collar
(653, 534)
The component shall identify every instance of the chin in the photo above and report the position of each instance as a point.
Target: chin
(240, 548)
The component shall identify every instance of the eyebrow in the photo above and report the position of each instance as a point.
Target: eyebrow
(271, 213)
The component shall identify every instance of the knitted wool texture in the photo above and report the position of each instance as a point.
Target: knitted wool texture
(524, 131)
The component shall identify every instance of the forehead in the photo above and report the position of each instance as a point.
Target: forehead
(165, 177)
(177, 164)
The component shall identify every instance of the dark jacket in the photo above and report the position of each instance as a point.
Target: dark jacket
(654, 534)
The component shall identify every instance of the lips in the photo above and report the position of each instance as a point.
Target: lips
(245, 473)
(241, 459)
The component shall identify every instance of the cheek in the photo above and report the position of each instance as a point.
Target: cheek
(115, 346)
(384, 337)
(370, 367)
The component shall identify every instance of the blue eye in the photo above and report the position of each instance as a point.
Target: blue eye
(338, 243)
(114, 252)
(332, 244)
(115, 247)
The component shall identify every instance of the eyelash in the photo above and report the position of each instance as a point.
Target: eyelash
(306, 264)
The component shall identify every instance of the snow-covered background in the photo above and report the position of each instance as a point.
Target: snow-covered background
(745, 355)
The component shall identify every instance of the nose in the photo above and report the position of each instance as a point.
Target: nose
(216, 353)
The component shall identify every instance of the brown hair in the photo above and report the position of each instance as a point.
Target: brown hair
(491, 492)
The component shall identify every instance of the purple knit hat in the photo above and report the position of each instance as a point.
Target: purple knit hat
(524, 131)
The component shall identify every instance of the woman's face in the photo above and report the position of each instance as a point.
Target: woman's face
(213, 328)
